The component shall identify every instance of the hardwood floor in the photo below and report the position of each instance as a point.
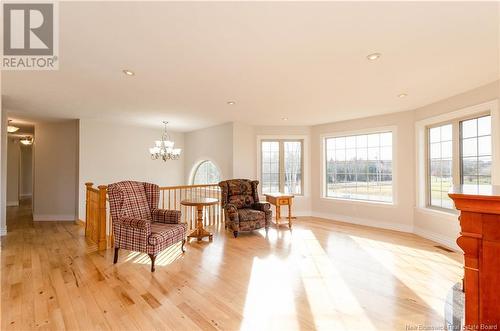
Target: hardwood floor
(322, 275)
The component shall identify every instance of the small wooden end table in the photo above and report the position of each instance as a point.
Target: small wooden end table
(199, 233)
(278, 200)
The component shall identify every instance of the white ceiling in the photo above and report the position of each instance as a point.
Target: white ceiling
(304, 61)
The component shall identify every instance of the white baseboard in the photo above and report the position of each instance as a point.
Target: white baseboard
(12, 203)
(3, 231)
(445, 241)
(366, 222)
(47, 218)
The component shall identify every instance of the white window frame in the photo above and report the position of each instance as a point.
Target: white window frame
(456, 162)
(455, 144)
(305, 159)
(198, 163)
(323, 186)
(421, 148)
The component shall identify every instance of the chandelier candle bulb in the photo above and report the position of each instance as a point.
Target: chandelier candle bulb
(164, 148)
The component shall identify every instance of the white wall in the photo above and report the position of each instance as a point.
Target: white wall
(26, 174)
(55, 171)
(214, 144)
(398, 216)
(244, 151)
(3, 166)
(13, 166)
(112, 152)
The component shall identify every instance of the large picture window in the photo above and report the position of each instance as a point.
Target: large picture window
(281, 166)
(459, 152)
(359, 167)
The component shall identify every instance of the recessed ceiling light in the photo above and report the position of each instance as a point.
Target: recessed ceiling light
(128, 72)
(284, 118)
(27, 140)
(402, 95)
(373, 56)
(231, 102)
(11, 128)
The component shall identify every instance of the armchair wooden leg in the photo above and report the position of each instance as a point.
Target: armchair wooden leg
(115, 259)
(153, 258)
(235, 233)
(182, 247)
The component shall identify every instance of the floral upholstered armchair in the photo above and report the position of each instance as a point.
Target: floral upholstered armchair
(242, 209)
(138, 224)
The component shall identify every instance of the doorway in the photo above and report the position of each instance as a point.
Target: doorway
(20, 137)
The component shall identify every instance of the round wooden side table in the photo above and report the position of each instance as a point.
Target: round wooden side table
(199, 203)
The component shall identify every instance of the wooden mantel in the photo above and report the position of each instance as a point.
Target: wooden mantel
(480, 240)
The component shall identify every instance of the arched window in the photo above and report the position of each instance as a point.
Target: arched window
(206, 173)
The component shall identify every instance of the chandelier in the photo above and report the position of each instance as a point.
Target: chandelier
(164, 148)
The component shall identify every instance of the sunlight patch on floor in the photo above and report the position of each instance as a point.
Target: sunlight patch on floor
(332, 303)
(276, 237)
(270, 302)
(407, 250)
(166, 257)
(419, 277)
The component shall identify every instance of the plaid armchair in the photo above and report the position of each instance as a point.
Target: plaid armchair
(138, 224)
(242, 208)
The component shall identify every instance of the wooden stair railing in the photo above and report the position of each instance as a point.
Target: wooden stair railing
(95, 215)
(98, 222)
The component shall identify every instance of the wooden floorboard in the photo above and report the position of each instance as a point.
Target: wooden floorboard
(322, 275)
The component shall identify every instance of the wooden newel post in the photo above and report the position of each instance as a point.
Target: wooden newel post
(87, 206)
(480, 240)
(102, 244)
